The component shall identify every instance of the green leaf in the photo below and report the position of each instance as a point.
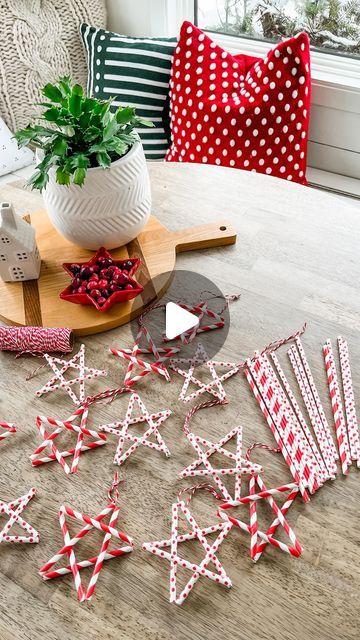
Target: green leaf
(52, 92)
(121, 148)
(62, 176)
(60, 147)
(124, 114)
(110, 129)
(80, 160)
(75, 100)
(52, 115)
(38, 180)
(64, 84)
(103, 159)
(79, 176)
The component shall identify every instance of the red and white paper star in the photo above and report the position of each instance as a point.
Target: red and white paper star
(132, 356)
(256, 547)
(242, 466)
(121, 429)
(159, 548)
(58, 380)
(47, 572)
(82, 442)
(13, 510)
(215, 387)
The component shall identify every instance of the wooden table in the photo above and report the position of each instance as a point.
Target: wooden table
(296, 259)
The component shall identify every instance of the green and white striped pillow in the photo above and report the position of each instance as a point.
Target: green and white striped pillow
(136, 72)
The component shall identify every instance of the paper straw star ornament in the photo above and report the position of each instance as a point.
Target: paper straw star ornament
(121, 429)
(200, 358)
(81, 444)
(60, 367)
(169, 550)
(202, 465)
(13, 510)
(138, 368)
(48, 571)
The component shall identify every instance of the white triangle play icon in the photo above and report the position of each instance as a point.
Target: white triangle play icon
(178, 320)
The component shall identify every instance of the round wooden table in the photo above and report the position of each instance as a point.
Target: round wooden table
(296, 259)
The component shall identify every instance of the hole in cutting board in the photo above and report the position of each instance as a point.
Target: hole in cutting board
(222, 228)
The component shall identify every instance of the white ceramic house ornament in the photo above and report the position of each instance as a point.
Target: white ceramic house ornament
(19, 255)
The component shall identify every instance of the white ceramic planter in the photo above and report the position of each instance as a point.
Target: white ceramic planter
(109, 210)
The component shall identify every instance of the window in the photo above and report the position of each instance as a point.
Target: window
(17, 273)
(333, 26)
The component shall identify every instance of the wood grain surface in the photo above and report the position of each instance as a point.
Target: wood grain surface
(297, 259)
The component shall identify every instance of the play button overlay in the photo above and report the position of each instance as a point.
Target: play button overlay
(169, 319)
(178, 320)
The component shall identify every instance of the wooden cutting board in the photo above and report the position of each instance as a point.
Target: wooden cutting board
(37, 302)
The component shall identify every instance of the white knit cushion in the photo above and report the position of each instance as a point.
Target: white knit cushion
(39, 41)
(12, 158)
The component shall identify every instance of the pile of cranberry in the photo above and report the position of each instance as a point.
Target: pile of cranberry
(101, 279)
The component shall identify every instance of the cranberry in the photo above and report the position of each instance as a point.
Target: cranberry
(94, 277)
(85, 272)
(129, 264)
(115, 270)
(103, 283)
(95, 293)
(105, 293)
(74, 268)
(128, 287)
(81, 289)
(104, 273)
(95, 268)
(76, 282)
(104, 262)
(93, 284)
(113, 287)
(120, 278)
(125, 270)
(101, 300)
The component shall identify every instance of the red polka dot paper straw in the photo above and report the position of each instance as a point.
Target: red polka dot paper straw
(8, 429)
(349, 400)
(316, 397)
(249, 374)
(13, 510)
(198, 570)
(337, 408)
(317, 425)
(322, 474)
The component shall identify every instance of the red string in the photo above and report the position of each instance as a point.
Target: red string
(260, 445)
(198, 407)
(114, 489)
(199, 487)
(109, 394)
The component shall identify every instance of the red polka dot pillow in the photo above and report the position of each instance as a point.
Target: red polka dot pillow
(238, 111)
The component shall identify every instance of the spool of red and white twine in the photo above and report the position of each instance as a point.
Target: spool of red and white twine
(36, 340)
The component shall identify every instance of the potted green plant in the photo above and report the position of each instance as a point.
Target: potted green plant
(91, 167)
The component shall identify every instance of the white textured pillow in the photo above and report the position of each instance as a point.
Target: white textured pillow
(11, 157)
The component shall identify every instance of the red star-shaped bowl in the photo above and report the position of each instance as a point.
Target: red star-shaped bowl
(117, 296)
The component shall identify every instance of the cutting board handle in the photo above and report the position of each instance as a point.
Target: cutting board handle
(214, 234)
